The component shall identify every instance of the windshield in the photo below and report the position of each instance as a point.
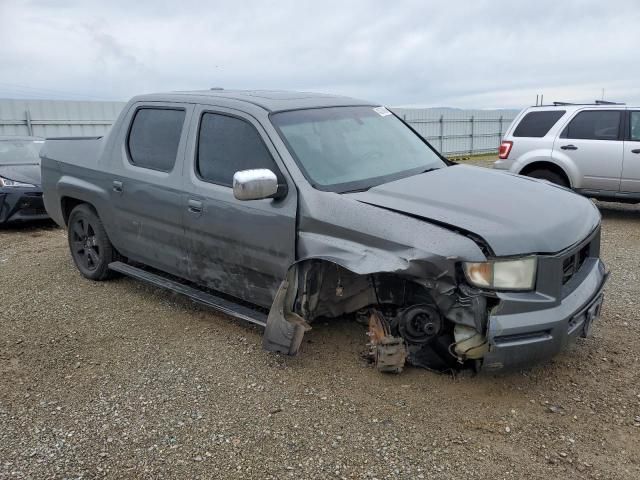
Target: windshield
(342, 149)
(20, 152)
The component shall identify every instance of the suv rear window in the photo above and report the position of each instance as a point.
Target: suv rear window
(537, 124)
(594, 125)
(154, 138)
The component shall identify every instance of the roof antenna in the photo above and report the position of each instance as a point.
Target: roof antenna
(541, 99)
(536, 99)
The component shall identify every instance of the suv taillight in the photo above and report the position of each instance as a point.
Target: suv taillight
(505, 149)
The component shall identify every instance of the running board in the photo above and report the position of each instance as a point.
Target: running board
(217, 303)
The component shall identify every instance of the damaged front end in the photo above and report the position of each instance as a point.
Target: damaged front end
(430, 321)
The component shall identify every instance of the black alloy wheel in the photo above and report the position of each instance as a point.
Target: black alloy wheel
(90, 247)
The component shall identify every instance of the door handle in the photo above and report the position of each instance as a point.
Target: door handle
(569, 147)
(117, 186)
(635, 150)
(195, 206)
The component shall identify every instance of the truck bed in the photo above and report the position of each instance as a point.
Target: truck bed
(81, 151)
(69, 164)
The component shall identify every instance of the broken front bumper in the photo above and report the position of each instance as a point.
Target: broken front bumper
(530, 333)
(21, 204)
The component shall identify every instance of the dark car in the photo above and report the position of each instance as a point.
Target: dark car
(20, 191)
(309, 206)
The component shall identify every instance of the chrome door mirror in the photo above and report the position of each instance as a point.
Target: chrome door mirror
(255, 184)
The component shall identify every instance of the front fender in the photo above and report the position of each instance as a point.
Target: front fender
(352, 255)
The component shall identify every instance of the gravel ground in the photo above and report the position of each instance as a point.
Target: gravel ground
(121, 380)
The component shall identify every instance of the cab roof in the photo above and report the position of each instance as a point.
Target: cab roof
(270, 100)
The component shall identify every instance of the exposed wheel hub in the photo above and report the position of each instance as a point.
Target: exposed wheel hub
(420, 324)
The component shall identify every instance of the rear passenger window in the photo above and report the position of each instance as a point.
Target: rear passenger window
(537, 124)
(154, 138)
(594, 125)
(228, 144)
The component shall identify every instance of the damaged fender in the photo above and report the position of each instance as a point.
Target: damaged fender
(325, 286)
(285, 329)
(343, 270)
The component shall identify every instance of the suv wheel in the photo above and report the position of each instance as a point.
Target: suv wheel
(90, 247)
(549, 176)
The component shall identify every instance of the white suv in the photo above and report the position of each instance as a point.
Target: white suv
(592, 149)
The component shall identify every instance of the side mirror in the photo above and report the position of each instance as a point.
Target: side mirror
(255, 184)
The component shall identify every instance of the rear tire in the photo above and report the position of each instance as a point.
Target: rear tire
(549, 176)
(89, 244)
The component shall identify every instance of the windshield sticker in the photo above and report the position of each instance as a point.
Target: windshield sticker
(383, 112)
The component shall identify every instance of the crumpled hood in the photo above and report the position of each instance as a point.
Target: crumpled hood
(515, 215)
(26, 173)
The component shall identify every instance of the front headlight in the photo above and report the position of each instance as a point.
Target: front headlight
(517, 274)
(5, 182)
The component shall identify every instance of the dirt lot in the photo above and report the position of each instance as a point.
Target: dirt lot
(121, 380)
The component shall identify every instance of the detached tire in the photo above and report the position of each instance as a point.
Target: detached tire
(89, 244)
(549, 176)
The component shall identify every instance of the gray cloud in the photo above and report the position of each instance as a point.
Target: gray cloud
(456, 53)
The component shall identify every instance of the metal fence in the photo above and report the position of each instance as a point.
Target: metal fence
(452, 131)
(51, 118)
(456, 132)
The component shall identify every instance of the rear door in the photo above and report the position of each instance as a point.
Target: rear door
(242, 248)
(631, 167)
(593, 142)
(146, 188)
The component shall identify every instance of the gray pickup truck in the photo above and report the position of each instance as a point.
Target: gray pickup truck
(281, 208)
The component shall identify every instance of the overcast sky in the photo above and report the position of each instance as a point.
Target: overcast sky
(482, 54)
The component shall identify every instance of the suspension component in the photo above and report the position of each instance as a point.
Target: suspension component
(387, 352)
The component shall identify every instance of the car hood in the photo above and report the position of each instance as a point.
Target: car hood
(26, 173)
(514, 215)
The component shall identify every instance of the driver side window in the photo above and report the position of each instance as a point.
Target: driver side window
(229, 144)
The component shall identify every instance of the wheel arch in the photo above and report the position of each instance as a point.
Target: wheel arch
(74, 191)
(546, 165)
(331, 285)
(303, 296)
(67, 204)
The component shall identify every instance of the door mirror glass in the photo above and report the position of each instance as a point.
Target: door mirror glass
(255, 184)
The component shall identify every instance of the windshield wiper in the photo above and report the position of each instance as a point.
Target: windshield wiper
(364, 189)
(356, 190)
(429, 170)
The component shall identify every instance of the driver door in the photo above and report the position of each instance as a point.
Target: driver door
(242, 248)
